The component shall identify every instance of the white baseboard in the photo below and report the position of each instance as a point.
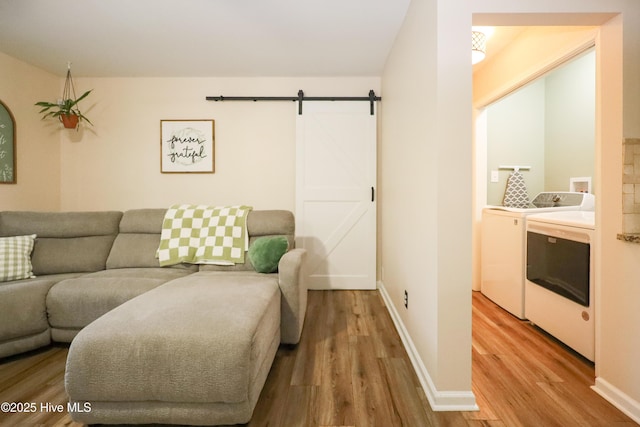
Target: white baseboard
(617, 398)
(439, 400)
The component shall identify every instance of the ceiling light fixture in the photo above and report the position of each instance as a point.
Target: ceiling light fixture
(478, 46)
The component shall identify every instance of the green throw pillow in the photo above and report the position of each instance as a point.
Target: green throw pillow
(15, 257)
(265, 253)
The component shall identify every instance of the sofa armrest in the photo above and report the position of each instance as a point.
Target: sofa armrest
(294, 295)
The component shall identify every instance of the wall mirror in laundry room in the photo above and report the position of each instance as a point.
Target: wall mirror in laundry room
(547, 125)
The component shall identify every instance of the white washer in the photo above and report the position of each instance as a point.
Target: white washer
(503, 245)
(559, 290)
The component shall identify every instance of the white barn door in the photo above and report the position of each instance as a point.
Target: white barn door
(335, 194)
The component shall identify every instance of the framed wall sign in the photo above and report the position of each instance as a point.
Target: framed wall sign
(187, 146)
(7, 146)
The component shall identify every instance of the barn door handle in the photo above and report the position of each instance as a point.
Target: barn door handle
(373, 194)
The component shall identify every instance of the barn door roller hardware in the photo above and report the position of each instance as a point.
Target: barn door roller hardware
(372, 98)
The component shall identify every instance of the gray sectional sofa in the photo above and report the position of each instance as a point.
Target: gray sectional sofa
(187, 344)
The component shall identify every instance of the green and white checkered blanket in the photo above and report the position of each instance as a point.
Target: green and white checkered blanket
(199, 234)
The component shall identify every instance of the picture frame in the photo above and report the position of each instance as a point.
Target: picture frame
(187, 146)
(7, 146)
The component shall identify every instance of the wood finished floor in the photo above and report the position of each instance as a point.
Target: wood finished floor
(350, 369)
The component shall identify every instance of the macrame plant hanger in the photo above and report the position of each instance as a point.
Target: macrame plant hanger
(69, 93)
(69, 88)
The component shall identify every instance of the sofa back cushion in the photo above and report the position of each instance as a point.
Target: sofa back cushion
(261, 223)
(67, 242)
(138, 240)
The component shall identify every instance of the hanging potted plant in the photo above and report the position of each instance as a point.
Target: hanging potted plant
(66, 109)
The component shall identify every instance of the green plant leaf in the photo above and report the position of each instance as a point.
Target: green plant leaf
(66, 107)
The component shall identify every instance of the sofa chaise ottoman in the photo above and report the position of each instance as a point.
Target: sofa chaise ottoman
(186, 344)
(184, 353)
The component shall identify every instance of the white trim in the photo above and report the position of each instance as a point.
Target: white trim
(438, 400)
(618, 398)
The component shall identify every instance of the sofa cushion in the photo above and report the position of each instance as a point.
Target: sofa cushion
(67, 242)
(23, 313)
(138, 241)
(74, 303)
(205, 338)
(62, 255)
(15, 257)
(134, 250)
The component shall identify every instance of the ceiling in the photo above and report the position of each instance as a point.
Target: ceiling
(198, 38)
(173, 38)
(497, 40)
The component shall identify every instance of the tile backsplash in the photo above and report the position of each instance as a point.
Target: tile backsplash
(631, 186)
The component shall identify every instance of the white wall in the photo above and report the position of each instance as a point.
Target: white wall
(516, 136)
(618, 348)
(570, 123)
(548, 124)
(425, 183)
(37, 144)
(407, 173)
(116, 163)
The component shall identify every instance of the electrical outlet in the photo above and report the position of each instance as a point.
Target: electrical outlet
(406, 299)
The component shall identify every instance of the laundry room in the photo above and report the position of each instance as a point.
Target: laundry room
(612, 308)
(535, 154)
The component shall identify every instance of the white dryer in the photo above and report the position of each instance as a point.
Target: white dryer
(503, 245)
(560, 287)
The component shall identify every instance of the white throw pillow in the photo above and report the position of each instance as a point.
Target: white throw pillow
(15, 257)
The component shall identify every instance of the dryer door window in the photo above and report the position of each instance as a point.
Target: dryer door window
(560, 265)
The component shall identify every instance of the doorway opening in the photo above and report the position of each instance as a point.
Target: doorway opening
(522, 113)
